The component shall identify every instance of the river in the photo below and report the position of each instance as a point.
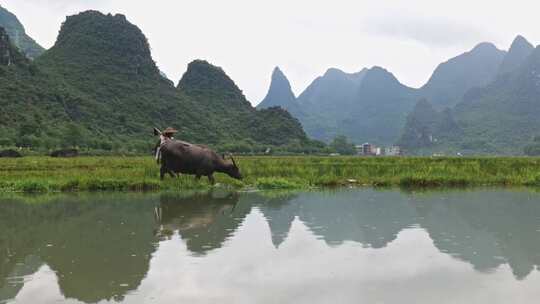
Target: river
(342, 246)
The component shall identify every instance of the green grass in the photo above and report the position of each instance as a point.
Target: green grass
(44, 174)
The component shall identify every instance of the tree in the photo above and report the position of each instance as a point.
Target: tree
(6, 141)
(73, 136)
(341, 145)
(49, 143)
(533, 149)
(28, 128)
(28, 141)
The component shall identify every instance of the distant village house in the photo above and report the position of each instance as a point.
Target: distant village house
(368, 149)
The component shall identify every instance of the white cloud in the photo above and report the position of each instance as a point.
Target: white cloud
(432, 32)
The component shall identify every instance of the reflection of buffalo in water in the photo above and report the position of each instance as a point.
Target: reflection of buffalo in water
(204, 221)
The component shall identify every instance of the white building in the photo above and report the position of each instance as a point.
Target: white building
(393, 151)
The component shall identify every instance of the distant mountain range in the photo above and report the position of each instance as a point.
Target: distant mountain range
(452, 79)
(362, 105)
(481, 101)
(280, 93)
(99, 86)
(519, 51)
(499, 118)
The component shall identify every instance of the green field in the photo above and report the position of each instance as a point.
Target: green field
(45, 174)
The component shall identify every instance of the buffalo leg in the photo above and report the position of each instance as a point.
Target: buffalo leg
(162, 171)
(211, 179)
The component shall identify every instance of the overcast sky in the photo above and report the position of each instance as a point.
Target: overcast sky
(248, 38)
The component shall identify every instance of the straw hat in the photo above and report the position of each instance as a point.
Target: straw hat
(169, 130)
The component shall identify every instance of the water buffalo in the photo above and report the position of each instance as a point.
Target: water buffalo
(183, 157)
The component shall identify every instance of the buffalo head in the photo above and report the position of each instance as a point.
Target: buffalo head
(232, 169)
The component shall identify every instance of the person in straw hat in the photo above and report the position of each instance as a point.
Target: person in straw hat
(169, 133)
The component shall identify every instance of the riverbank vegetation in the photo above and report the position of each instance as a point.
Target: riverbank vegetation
(45, 174)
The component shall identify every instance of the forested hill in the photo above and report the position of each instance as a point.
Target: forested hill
(99, 87)
(219, 96)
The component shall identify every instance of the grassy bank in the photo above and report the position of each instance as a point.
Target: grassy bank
(44, 174)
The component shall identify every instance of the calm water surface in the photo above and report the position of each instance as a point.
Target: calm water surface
(348, 246)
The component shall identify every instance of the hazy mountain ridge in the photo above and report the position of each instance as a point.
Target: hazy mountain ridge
(379, 108)
(453, 78)
(368, 105)
(280, 93)
(499, 118)
(425, 127)
(374, 106)
(505, 112)
(518, 53)
(9, 54)
(18, 34)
